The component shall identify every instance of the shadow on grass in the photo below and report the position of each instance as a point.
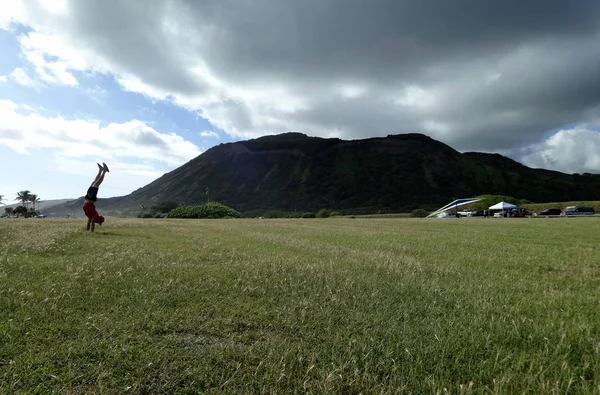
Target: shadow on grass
(104, 233)
(100, 232)
(109, 233)
(123, 234)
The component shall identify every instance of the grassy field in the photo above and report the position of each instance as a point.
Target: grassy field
(300, 306)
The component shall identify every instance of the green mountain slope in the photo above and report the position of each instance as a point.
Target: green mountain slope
(400, 172)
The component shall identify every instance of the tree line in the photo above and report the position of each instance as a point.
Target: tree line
(28, 202)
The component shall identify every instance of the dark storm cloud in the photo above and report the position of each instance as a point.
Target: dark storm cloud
(132, 35)
(391, 37)
(478, 75)
(547, 56)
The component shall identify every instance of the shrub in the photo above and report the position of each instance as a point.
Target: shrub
(323, 213)
(20, 210)
(419, 213)
(208, 210)
(294, 215)
(335, 214)
(300, 214)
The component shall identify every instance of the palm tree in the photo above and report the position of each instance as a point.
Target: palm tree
(24, 197)
(1, 199)
(34, 199)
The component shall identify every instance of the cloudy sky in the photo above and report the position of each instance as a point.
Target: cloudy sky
(146, 85)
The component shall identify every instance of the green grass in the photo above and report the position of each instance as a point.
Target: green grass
(336, 305)
(380, 216)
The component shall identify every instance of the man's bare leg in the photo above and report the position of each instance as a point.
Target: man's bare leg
(99, 179)
(100, 171)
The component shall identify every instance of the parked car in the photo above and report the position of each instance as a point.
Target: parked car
(579, 210)
(447, 214)
(478, 213)
(550, 211)
(519, 213)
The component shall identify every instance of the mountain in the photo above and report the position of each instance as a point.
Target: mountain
(292, 171)
(40, 206)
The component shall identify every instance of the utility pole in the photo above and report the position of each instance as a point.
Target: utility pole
(207, 196)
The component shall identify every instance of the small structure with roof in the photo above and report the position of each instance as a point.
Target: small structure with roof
(505, 207)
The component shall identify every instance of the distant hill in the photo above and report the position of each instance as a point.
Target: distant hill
(42, 205)
(292, 171)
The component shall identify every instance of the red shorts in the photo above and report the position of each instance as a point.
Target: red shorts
(90, 211)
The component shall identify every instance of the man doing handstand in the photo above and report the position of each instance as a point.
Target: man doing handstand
(89, 208)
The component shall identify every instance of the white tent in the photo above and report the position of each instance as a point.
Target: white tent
(502, 206)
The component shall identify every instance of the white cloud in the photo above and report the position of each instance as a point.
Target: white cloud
(24, 130)
(3, 78)
(11, 11)
(55, 6)
(55, 59)
(209, 133)
(351, 91)
(574, 150)
(436, 128)
(21, 77)
(133, 84)
(417, 98)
